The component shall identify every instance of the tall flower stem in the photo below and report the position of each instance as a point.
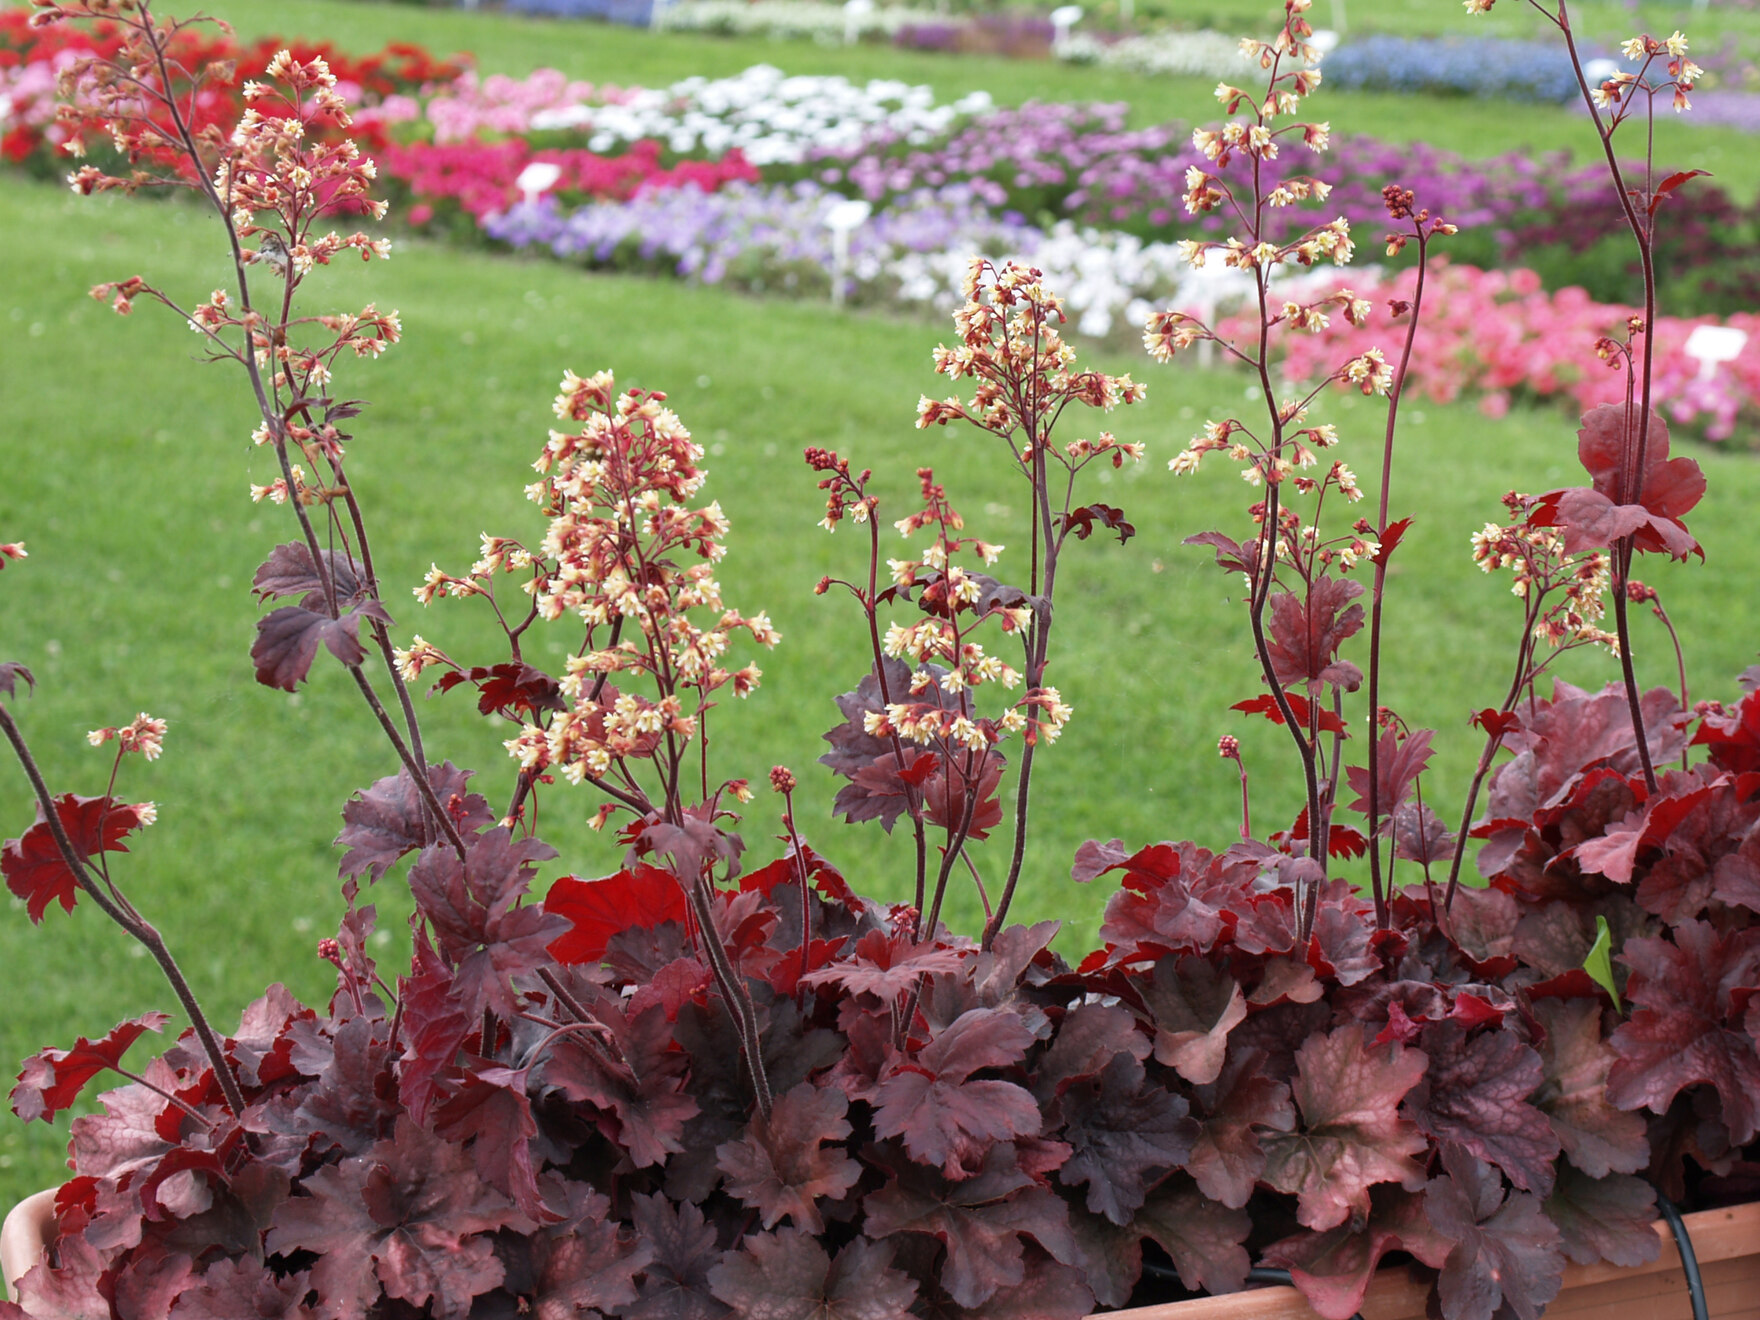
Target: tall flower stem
(1383, 916)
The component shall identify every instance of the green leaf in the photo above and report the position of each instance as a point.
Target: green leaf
(1599, 965)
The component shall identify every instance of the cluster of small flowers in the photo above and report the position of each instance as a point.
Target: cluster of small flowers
(145, 735)
(617, 495)
(1010, 332)
(1541, 569)
(11, 551)
(1616, 91)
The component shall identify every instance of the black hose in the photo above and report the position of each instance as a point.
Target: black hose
(1689, 1259)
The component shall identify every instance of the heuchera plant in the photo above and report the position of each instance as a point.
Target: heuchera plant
(700, 1087)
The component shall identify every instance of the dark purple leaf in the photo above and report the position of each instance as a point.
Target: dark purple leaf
(1400, 762)
(244, 1290)
(1194, 1007)
(587, 1264)
(638, 1087)
(1227, 1158)
(945, 1118)
(981, 1220)
(1599, 1139)
(288, 571)
(1125, 1136)
(1306, 634)
(675, 1285)
(782, 1167)
(10, 672)
(1609, 1219)
(288, 640)
(473, 907)
(382, 823)
(1206, 1240)
(1475, 1092)
(1231, 555)
(410, 1216)
(1088, 1039)
(787, 1275)
(1506, 1251)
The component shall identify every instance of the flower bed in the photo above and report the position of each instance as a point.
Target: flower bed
(945, 178)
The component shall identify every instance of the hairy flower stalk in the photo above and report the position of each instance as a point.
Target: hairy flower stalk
(1400, 203)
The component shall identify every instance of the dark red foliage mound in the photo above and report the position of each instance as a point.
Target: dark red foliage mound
(555, 1117)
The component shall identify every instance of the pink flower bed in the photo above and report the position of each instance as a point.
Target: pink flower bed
(1500, 333)
(480, 176)
(500, 104)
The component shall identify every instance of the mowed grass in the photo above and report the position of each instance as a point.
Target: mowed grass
(126, 462)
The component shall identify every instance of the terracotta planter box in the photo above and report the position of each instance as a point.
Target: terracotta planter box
(1727, 1243)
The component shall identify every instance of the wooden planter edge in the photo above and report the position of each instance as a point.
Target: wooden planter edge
(1394, 1294)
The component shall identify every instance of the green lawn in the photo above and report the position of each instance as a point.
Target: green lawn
(126, 465)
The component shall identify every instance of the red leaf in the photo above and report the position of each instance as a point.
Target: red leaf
(1669, 488)
(1400, 762)
(1672, 182)
(1333, 1269)
(1266, 705)
(1390, 540)
(638, 899)
(789, 1276)
(1306, 634)
(1496, 723)
(1734, 737)
(885, 965)
(1082, 521)
(34, 868)
(52, 1079)
(946, 1119)
(1352, 1136)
